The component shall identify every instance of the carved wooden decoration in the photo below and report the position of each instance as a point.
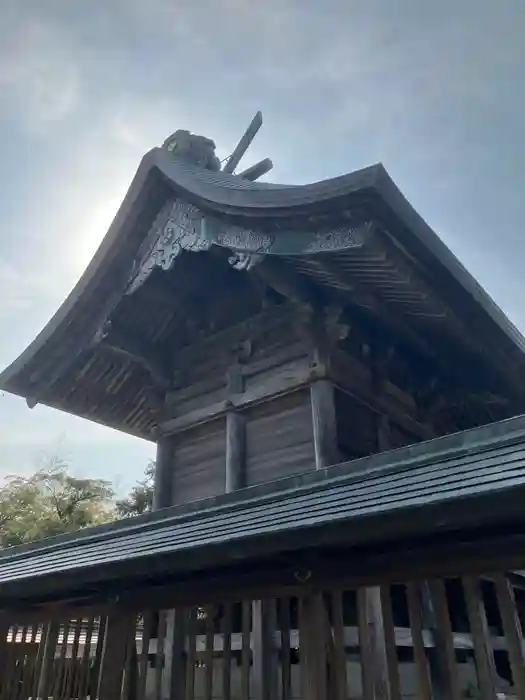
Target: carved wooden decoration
(181, 226)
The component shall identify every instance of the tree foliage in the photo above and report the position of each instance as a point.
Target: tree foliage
(51, 502)
(140, 498)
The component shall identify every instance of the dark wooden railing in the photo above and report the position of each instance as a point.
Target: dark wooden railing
(440, 639)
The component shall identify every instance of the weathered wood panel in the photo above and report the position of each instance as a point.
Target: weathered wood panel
(199, 464)
(279, 438)
(264, 341)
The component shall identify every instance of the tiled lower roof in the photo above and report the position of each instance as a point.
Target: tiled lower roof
(467, 468)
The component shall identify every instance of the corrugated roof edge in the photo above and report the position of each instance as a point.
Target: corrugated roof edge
(476, 440)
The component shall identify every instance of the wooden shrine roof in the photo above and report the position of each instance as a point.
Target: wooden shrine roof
(352, 239)
(447, 489)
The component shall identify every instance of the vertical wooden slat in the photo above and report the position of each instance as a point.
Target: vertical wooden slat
(390, 643)
(174, 679)
(24, 663)
(208, 654)
(118, 630)
(444, 672)
(264, 672)
(367, 659)
(339, 664)
(49, 643)
(159, 656)
(512, 631)
(143, 661)
(227, 652)
(39, 639)
(4, 632)
(99, 649)
(30, 661)
(418, 643)
(72, 664)
(246, 653)
(313, 643)
(483, 652)
(286, 656)
(9, 664)
(61, 676)
(129, 691)
(191, 655)
(86, 660)
(376, 640)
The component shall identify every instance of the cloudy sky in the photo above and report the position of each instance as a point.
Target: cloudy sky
(434, 90)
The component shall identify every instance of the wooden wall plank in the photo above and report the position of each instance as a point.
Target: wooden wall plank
(199, 463)
(279, 439)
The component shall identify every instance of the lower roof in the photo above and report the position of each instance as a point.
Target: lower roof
(457, 483)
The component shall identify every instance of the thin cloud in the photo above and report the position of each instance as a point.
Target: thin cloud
(39, 79)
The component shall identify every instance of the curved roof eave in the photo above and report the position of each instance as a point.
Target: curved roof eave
(221, 192)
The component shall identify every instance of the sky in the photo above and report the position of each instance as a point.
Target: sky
(434, 91)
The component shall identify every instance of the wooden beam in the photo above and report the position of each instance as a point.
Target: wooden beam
(117, 341)
(244, 143)
(257, 170)
(369, 302)
(352, 376)
(292, 380)
(283, 279)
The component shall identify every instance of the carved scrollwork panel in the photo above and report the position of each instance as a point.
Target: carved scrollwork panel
(181, 226)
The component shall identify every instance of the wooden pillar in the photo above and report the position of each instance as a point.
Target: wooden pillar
(235, 433)
(163, 489)
(322, 397)
(162, 498)
(235, 450)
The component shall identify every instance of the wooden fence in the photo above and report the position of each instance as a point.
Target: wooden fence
(432, 640)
